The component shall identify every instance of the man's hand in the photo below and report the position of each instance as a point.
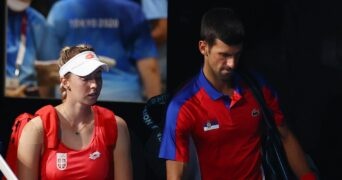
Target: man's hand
(16, 92)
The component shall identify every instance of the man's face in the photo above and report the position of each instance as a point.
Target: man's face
(18, 5)
(220, 59)
(26, 1)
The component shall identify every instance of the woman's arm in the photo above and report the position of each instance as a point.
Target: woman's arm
(29, 150)
(122, 152)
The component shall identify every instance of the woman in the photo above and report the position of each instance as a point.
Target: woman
(91, 142)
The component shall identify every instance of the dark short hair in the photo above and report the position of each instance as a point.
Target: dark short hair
(223, 24)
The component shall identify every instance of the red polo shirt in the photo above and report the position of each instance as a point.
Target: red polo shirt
(226, 131)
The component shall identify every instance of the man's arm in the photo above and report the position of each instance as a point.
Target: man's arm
(150, 76)
(175, 170)
(47, 77)
(159, 30)
(17, 92)
(294, 153)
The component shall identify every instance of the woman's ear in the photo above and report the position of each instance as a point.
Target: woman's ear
(65, 83)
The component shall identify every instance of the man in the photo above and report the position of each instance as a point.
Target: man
(218, 111)
(156, 12)
(24, 37)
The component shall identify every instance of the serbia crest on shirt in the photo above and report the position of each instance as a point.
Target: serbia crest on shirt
(61, 161)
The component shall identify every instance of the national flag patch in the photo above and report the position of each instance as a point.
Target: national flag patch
(211, 125)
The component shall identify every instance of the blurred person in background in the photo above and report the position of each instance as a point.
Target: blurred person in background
(25, 29)
(121, 35)
(156, 12)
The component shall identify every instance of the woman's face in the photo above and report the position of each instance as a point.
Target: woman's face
(85, 89)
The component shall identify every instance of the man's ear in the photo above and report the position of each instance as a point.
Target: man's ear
(203, 47)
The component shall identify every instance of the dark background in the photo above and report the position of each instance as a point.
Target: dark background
(295, 44)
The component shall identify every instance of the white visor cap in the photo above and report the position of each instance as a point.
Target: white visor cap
(82, 64)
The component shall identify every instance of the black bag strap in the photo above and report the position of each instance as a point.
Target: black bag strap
(266, 112)
(153, 116)
(268, 121)
(159, 100)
